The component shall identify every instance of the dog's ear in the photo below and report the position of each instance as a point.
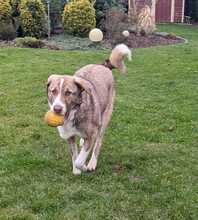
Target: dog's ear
(49, 80)
(87, 86)
(84, 85)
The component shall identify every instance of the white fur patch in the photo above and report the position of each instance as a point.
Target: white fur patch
(58, 101)
(92, 163)
(81, 142)
(81, 159)
(68, 130)
(76, 171)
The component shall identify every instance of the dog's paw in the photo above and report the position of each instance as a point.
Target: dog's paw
(92, 164)
(76, 171)
(79, 165)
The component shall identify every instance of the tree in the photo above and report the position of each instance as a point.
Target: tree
(56, 10)
(102, 6)
(132, 11)
(135, 17)
(132, 8)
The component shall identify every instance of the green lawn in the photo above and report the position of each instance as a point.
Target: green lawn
(148, 168)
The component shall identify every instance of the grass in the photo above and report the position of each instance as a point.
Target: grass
(148, 166)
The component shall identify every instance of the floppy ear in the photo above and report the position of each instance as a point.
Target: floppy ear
(48, 83)
(84, 85)
(89, 88)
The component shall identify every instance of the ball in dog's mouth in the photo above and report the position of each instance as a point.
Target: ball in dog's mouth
(53, 119)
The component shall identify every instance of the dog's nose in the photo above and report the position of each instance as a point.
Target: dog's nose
(58, 109)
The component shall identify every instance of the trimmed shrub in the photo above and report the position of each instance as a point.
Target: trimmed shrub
(79, 17)
(29, 42)
(5, 11)
(15, 12)
(33, 18)
(15, 7)
(7, 31)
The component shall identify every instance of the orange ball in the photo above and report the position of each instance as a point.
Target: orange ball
(53, 120)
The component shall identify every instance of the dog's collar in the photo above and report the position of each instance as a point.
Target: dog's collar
(107, 63)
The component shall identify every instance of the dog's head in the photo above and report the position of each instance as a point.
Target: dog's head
(65, 92)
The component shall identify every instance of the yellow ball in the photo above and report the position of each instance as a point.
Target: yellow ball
(53, 119)
(95, 35)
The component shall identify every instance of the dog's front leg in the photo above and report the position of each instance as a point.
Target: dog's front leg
(82, 157)
(74, 154)
(94, 157)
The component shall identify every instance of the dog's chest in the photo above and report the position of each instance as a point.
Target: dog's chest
(68, 130)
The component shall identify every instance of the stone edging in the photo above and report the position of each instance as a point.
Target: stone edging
(164, 34)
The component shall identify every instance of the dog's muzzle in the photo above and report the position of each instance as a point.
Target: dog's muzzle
(58, 109)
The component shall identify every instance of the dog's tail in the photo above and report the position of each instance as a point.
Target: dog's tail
(116, 59)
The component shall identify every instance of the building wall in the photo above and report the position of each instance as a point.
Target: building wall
(179, 10)
(166, 10)
(163, 11)
(140, 4)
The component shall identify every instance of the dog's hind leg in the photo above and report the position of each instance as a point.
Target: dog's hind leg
(105, 121)
(74, 154)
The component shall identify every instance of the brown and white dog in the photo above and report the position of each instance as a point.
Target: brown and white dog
(86, 101)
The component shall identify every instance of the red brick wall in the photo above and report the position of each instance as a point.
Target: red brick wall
(178, 10)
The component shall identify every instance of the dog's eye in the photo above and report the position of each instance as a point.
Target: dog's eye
(53, 91)
(67, 93)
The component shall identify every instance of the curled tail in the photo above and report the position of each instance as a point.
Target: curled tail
(116, 59)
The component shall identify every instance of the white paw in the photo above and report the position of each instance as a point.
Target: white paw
(92, 164)
(76, 171)
(80, 165)
(81, 142)
(81, 159)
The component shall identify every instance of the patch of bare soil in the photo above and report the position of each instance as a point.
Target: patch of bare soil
(135, 41)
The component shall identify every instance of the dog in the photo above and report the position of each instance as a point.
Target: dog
(86, 100)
